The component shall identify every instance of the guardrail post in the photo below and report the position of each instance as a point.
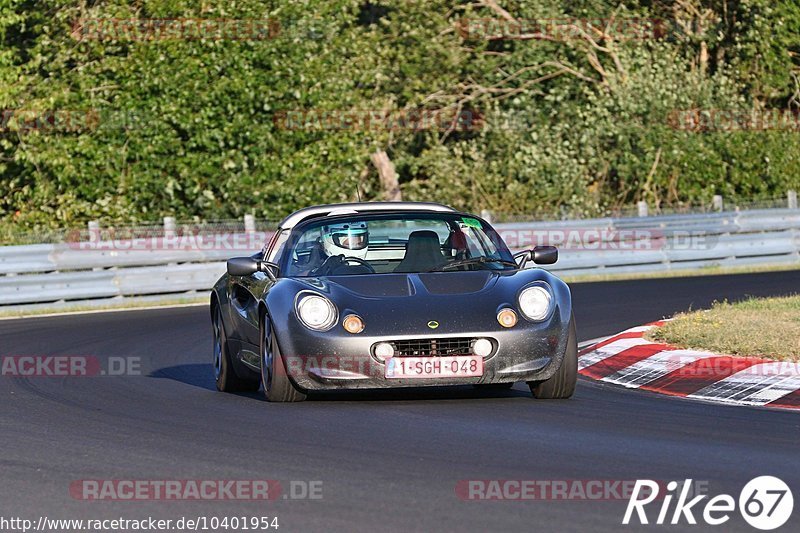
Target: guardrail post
(717, 202)
(249, 224)
(169, 227)
(792, 199)
(642, 206)
(94, 231)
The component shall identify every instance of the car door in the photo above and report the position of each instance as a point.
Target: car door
(246, 293)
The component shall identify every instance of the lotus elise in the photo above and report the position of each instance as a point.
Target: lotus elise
(391, 294)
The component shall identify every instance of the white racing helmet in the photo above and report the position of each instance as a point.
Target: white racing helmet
(350, 239)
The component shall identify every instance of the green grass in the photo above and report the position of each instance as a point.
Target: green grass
(763, 327)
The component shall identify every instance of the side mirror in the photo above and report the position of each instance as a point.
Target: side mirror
(247, 266)
(544, 255)
(522, 258)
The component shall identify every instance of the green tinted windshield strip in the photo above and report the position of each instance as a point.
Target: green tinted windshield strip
(472, 222)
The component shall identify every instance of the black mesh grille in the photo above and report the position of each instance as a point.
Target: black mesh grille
(428, 347)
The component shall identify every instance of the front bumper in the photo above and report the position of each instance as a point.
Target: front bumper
(338, 360)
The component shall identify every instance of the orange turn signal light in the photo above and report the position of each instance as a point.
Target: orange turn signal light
(353, 324)
(507, 318)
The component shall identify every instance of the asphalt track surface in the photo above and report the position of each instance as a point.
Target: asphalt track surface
(388, 461)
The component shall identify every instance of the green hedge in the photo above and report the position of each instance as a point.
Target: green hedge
(191, 128)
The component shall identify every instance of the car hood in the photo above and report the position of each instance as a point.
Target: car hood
(402, 304)
(405, 285)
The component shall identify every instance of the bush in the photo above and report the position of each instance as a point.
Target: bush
(191, 128)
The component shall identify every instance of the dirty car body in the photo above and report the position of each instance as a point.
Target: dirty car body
(421, 295)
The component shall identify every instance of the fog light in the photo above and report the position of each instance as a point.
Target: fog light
(353, 324)
(384, 350)
(482, 347)
(507, 318)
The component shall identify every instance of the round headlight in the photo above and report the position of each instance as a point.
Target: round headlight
(316, 312)
(534, 302)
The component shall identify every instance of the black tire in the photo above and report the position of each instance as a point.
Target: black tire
(224, 373)
(493, 386)
(277, 385)
(562, 384)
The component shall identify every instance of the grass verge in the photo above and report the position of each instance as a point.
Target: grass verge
(763, 327)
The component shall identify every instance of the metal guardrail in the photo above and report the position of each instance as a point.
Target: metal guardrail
(665, 243)
(45, 273)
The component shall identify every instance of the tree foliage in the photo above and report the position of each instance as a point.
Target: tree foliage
(569, 126)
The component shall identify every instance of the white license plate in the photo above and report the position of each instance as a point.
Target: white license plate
(457, 366)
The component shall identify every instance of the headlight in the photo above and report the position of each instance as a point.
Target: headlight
(535, 302)
(316, 312)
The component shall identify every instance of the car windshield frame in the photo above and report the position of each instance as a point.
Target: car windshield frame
(502, 254)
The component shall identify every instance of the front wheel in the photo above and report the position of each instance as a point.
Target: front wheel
(277, 386)
(562, 384)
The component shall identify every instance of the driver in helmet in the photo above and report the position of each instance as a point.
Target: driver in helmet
(340, 242)
(350, 239)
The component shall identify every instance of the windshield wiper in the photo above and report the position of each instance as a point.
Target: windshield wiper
(472, 261)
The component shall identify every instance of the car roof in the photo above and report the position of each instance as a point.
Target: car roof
(361, 207)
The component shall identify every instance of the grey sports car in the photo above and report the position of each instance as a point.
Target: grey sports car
(391, 294)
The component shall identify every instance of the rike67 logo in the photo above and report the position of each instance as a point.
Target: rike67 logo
(765, 503)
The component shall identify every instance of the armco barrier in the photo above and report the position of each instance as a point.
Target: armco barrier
(80, 271)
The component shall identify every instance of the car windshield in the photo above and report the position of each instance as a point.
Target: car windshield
(393, 243)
